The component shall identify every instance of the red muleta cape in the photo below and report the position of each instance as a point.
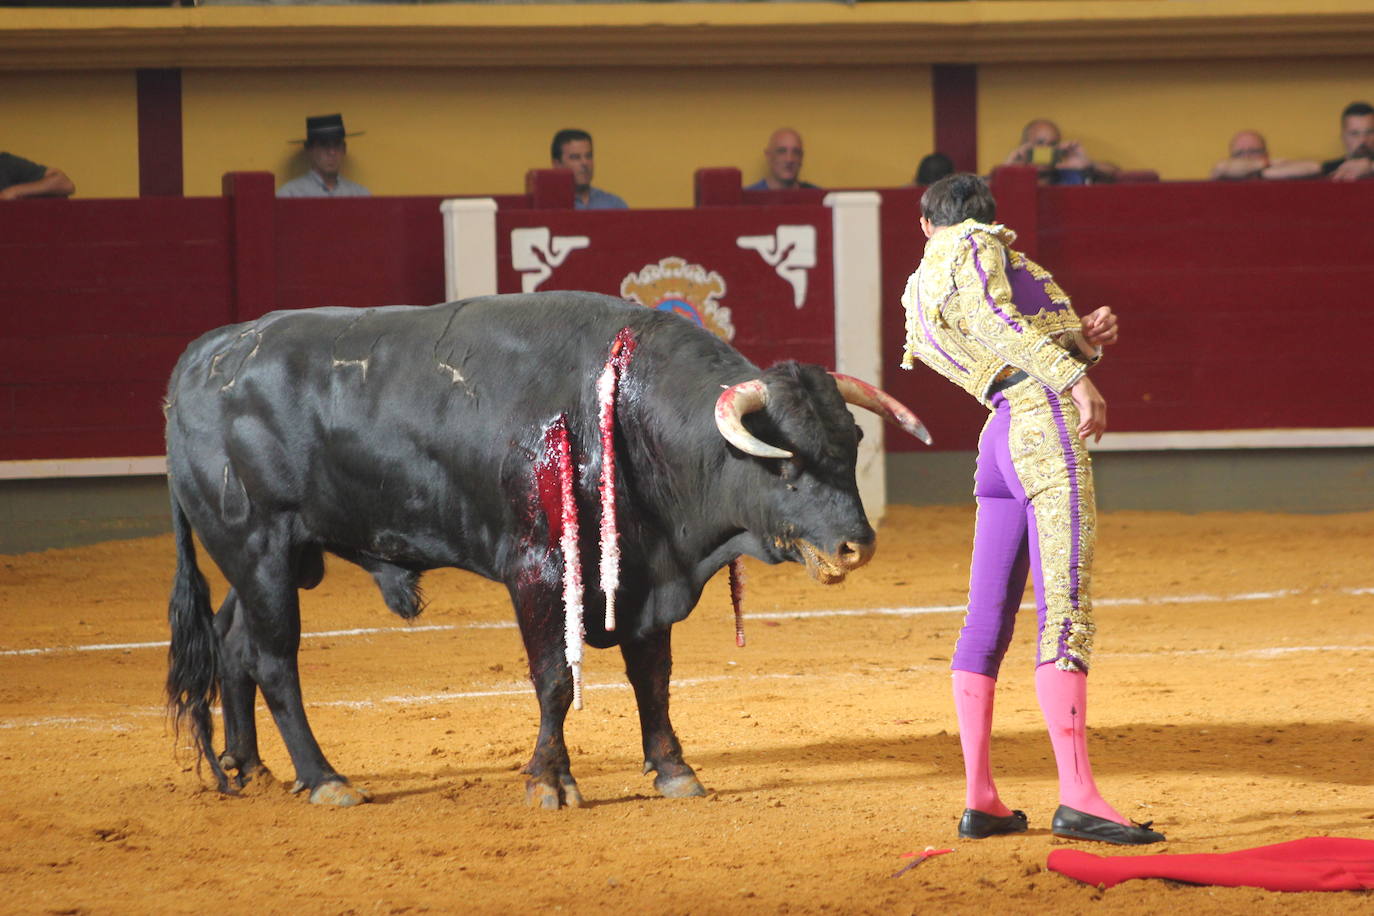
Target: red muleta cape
(1313, 864)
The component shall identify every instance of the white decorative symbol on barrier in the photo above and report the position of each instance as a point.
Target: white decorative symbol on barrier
(535, 252)
(792, 251)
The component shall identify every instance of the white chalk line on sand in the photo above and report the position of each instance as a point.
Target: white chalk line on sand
(520, 689)
(524, 689)
(764, 615)
(514, 690)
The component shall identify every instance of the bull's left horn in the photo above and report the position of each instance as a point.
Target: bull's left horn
(736, 401)
(861, 394)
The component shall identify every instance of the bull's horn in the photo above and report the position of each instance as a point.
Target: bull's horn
(736, 401)
(862, 394)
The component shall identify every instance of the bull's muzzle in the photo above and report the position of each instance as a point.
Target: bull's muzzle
(829, 569)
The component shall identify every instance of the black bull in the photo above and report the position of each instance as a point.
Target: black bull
(410, 438)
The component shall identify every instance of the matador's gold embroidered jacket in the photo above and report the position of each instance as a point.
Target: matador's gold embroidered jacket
(975, 307)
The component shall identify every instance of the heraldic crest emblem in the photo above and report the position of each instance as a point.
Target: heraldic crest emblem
(673, 285)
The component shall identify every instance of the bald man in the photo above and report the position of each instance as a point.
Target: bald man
(784, 154)
(1247, 156)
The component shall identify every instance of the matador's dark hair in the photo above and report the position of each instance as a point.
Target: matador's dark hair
(957, 197)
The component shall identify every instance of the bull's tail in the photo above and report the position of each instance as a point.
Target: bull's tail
(193, 657)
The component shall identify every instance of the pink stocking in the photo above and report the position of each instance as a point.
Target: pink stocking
(1064, 701)
(973, 695)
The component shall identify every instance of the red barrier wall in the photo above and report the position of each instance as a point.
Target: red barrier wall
(1242, 304)
(99, 297)
(768, 323)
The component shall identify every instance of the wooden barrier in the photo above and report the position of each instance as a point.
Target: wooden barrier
(1242, 304)
(99, 297)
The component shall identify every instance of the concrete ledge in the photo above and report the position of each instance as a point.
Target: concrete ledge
(67, 512)
(684, 34)
(41, 468)
(1254, 480)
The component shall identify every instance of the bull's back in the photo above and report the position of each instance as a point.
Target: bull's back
(408, 433)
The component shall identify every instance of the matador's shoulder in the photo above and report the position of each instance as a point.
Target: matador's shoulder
(969, 237)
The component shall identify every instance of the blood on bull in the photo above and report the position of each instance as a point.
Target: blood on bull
(479, 435)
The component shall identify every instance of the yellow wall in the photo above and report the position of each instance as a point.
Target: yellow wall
(468, 131)
(84, 123)
(1173, 116)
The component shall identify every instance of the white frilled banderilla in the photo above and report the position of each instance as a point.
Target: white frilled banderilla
(559, 452)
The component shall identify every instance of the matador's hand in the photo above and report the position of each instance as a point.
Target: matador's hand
(1092, 409)
(1099, 328)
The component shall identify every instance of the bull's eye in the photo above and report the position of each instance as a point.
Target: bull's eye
(790, 469)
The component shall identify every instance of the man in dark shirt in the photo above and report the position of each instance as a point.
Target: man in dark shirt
(784, 154)
(1357, 135)
(21, 178)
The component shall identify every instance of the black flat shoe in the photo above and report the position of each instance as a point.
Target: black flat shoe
(1077, 825)
(977, 825)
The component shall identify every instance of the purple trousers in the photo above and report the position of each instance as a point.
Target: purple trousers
(1036, 514)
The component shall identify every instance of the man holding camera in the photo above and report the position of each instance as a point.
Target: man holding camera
(1059, 161)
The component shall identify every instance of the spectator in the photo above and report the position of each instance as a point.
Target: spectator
(784, 154)
(1247, 156)
(325, 147)
(572, 149)
(1357, 135)
(1059, 161)
(932, 169)
(21, 178)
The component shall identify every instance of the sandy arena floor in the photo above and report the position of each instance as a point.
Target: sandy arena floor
(1231, 704)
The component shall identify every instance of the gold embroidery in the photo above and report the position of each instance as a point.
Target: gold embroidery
(1060, 490)
(961, 269)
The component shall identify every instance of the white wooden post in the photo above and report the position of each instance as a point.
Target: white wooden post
(858, 326)
(469, 247)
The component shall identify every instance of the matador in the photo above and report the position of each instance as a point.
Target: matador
(997, 324)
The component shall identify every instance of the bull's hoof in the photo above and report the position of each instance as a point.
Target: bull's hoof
(240, 776)
(539, 794)
(338, 794)
(684, 786)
